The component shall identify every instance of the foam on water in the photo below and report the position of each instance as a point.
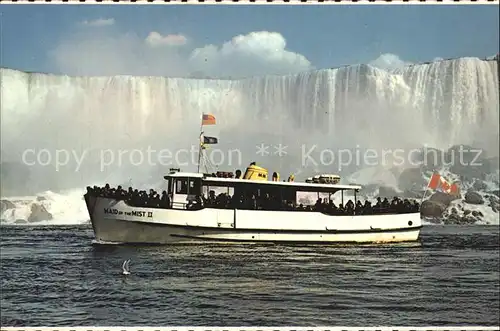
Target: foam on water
(489, 218)
(67, 208)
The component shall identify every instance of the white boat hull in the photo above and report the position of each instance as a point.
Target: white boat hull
(115, 221)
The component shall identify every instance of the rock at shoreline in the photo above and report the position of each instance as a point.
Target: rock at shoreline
(437, 204)
(6, 205)
(496, 192)
(494, 202)
(39, 214)
(474, 198)
(432, 208)
(479, 185)
(443, 198)
(462, 216)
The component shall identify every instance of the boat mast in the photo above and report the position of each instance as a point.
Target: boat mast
(200, 143)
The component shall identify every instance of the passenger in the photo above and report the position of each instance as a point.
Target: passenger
(164, 199)
(211, 198)
(377, 209)
(119, 192)
(341, 209)
(367, 208)
(359, 207)
(350, 207)
(404, 206)
(318, 206)
(199, 201)
(416, 207)
(385, 204)
(331, 207)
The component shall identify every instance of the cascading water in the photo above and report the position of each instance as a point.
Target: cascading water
(438, 104)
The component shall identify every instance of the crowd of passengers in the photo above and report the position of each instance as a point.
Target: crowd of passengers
(133, 197)
(153, 199)
(268, 202)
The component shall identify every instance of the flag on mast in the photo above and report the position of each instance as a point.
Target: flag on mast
(210, 140)
(208, 119)
(438, 181)
(205, 140)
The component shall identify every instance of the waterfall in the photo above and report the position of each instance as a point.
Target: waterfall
(438, 104)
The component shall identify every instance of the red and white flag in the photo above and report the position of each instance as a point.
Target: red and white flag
(438, 181)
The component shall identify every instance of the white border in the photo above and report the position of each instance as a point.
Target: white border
(256, 2)
(254, 328)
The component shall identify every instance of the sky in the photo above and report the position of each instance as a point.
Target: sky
(238, 40)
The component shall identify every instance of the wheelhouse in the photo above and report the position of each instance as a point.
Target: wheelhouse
(183, 188)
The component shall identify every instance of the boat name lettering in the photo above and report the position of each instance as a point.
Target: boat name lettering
(112, 211)
(137, 213)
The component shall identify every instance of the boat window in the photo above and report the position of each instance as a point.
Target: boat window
(194, 186)
(217, 190)
(181, 186)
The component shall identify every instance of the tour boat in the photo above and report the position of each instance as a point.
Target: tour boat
(187, 217)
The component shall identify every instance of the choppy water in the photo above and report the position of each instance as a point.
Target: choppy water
(56, 276)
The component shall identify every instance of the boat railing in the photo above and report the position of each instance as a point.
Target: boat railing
(180, 205)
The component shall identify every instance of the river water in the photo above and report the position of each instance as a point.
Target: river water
(59, 276)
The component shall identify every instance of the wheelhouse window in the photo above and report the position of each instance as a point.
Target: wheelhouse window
(191, 186)
(195, 186)
(181, 186)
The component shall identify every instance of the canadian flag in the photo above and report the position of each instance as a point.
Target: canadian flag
(438, 181)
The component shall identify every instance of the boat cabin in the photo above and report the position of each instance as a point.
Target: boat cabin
(191, 189)
(183, 188)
